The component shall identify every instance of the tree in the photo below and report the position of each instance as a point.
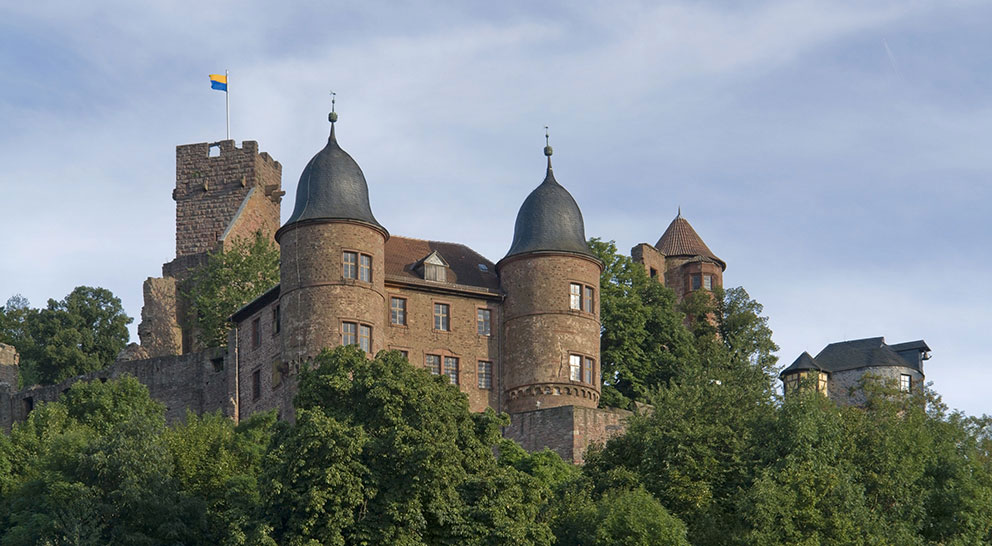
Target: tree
(383, 452)
(644, 341)
(81, 333)
(93, 469)
(230, 279)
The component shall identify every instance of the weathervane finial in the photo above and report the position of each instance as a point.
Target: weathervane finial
(333, 116)
(547, 146)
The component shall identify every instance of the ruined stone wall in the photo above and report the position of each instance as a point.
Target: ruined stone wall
(541, 331)
(419, 338)
(9, 364)
(316, 298)
(160, 328)
(195, 381)
(566, 430)
(652, 260)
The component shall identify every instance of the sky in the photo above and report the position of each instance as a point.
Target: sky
(834, 154)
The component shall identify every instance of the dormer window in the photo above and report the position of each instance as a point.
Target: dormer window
(435, 268)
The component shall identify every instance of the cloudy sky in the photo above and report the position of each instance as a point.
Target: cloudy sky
(835, 154)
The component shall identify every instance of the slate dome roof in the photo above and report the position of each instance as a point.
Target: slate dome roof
(549, 220)
(332, 187)
(681, 240)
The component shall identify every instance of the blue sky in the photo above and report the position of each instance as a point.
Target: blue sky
(835, 154)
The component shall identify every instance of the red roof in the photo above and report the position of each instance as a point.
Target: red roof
(403, 254)
(681, 240)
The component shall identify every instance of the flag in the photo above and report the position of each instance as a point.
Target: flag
(218, 81)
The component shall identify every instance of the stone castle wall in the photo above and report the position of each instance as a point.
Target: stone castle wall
(198, 382)
(567, 430)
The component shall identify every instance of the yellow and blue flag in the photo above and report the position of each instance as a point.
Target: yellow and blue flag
(218, 81)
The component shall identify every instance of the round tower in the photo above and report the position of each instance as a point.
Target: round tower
(551, 310)
(332, 260)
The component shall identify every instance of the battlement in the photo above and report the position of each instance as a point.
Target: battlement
(213, 182)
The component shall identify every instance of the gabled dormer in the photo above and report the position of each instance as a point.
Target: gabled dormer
(433, 267)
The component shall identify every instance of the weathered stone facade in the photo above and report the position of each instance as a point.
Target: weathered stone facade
(521, 336)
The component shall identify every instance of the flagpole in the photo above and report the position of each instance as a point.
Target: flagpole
(227, 103)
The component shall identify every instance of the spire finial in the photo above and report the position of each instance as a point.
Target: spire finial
(333, 116)
(680, 212)
(547, 146)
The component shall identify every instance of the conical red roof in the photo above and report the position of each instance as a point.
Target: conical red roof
(681, 240)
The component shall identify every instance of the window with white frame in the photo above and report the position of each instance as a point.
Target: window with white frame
(451, 369)
(365, 268)
(442, 316)
(575, 296)
(349, 262)
(905, 383)
(483, 319)
(397, 311)
(575, 367)
(485, 374)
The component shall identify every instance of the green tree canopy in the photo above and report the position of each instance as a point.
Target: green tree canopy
(229, 280)
(81, 333)
(382, 452)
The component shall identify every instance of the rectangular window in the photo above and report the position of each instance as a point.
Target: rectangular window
(256, 333)
(588, 370)
(575, 367)
(350, 260)
(405, 354)
(442, 317)
(349, 333)
(433, 363)
(434, 272)
(485, 374)
(276, 320)
(451, 369)
(365, 268)
(256, 384)
(397, 311)
(654, 273)
(708, 282)
(483, 320)
(905, 383)
(575, 296)
(276, 373)
(697, 282)
(365, 337)
(588, 301)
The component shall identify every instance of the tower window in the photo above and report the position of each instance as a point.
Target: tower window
(588, 370)
(442, 317)
(433, 364)
(485, 374)
(397, 311)
(484, 321)
(365, 337)
(587, 301)
(905, 383)
(708, 282)
(575, 296)
(349, 333)
(365, 268)
(451, 369)
(575, 367)
(350, 261)
(697, 281)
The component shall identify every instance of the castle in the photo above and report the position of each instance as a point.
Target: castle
(520, 335)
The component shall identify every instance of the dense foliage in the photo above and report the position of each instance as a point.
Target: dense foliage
(81, 333)
(230, 279)
(382, 452)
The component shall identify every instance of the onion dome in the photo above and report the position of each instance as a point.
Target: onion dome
(549, 221)
(680, 240)
(332, 187)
